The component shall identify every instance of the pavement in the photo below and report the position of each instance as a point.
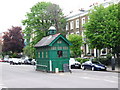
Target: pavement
(117, 69)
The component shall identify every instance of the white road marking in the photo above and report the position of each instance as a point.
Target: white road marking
(115, 77)
(2, 86)
(110, 81)
(93, 78)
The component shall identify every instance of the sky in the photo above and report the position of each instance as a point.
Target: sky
(12, 12)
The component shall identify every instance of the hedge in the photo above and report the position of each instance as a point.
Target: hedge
(81, 60)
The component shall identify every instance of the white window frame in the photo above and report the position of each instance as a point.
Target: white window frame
(67, 26)
(83, 21)
(105, 51)
(78, 32)
(77, 23)
(71, 24)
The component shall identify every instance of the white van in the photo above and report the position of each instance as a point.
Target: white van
(15, 61)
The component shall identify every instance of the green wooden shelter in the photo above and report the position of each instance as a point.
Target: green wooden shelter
(52, 52)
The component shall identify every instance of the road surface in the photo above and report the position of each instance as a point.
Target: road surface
(25, 76)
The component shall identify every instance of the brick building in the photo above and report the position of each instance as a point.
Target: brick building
(1, 34)
(75, 22)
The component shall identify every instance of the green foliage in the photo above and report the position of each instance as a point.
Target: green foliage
(104, 61)
(102, 30)
(109, 56)
(41, 16)
(76, 40)
(81, 60)
(29, 51)
(14, 55)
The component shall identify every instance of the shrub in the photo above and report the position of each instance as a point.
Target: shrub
(14, 55)
(105, 61)
(109, 56)
(81, 60)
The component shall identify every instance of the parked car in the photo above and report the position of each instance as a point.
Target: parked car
(15, 61)
(33, 62)
(22, 61)
(74, 64)
(27, 61)
(6, 59)
(93, 65)
(1, 60)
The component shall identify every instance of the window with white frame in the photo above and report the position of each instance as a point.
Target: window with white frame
(67, 27)
(67, 35)
(77, 23)
(82, 33)
(71, 25)
(83, 36)
(104, 51)
(83, 21)
(88, 18)
(78, 32)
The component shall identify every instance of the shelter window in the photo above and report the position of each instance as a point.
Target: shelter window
(38, 54)
(46, 54)
(60, 53)
(42, 54)
(59, 41)
(65, 54)
(65, 48)
(60, 48)
(53, 48)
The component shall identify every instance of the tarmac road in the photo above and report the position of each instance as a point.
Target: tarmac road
(25, 76)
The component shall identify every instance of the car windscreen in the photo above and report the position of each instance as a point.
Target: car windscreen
(94, 62)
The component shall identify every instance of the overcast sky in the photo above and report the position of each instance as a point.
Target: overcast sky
(12, 12)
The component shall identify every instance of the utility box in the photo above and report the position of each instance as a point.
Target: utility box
(52, 52)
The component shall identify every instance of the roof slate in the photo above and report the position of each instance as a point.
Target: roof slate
(46, 40)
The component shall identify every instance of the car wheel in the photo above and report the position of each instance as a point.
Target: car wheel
(83, 68)
(11, 63)
(93, 68)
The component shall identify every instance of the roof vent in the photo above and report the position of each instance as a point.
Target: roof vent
(52, 30)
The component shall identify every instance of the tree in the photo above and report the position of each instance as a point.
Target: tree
(57, 18)
(13, 40)
(29, 51)
(102, 29)
(76, 40)
(39, 19)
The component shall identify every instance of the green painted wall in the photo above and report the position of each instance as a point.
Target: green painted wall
(45, 54)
